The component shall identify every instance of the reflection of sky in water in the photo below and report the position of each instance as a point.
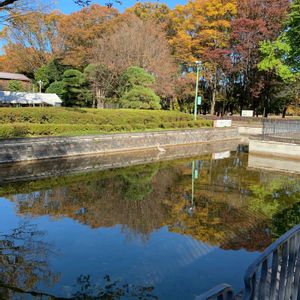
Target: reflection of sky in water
(175, 264)
(171, 256)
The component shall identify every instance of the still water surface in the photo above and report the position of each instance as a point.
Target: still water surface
(168, 230)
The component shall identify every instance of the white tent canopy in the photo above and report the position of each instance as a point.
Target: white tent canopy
(29, 98)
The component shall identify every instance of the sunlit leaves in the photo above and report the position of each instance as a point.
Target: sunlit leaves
(274, 54)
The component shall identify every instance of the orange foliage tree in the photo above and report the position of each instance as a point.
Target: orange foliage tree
(203, 30)
(81, 29)
(31, 41)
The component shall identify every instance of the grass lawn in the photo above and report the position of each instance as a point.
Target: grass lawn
(51, 121)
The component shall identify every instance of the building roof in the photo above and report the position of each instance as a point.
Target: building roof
(29, 98)
(13, 76)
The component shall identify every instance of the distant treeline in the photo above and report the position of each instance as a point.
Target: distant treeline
(145, 57)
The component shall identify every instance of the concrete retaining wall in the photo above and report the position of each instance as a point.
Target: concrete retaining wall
(32, 170)
(281, 164)
(274, 148)
(247, 131)
(250, 130)
(17, 150)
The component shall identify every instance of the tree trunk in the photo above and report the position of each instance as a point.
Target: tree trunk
(100, 99)
(213, 100)
(267, 98)
(266, 106)
(284, 112)
(214, 94)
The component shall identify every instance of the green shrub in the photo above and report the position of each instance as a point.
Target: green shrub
(140, 97)
(21, 122)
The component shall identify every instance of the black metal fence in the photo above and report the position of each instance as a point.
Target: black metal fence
(286, 128)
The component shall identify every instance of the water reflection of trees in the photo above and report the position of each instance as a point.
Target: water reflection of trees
(286, 219)
(221, 224)
(110, 289)
(275, 195)
(108, 201)
(23, 261)
(233, 206)
(138, 181)
(84, 288)
(24, 264)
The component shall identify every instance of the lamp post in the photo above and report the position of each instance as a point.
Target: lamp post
(40, 82)
(198, 64)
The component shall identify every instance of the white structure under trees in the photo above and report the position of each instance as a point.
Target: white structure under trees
(28, 99)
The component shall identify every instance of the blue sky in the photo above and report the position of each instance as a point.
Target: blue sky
(68, 6)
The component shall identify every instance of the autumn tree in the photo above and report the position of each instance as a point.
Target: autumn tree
(142, 44)
(7, 4)
(203, 30)
(160, 13)
(32, 41)
(184, 93)
(150, 10)
(81, 29)
(8, 8)
(256, 21)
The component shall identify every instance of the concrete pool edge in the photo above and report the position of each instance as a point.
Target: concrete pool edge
(33, 149)
(40, 169)
(275, 149)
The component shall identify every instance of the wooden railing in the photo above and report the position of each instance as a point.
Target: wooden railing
(274, 275)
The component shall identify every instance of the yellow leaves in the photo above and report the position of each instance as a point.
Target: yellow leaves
(158, 12)
(201, 25)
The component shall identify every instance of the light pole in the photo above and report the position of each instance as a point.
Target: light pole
(198, 64)
(40, 82)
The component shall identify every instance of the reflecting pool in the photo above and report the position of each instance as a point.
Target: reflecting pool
(167, 230)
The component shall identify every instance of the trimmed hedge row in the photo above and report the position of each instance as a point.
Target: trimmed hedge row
(51, 115)
(31, 130)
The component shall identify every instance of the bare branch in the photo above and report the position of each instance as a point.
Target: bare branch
(7, 3)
